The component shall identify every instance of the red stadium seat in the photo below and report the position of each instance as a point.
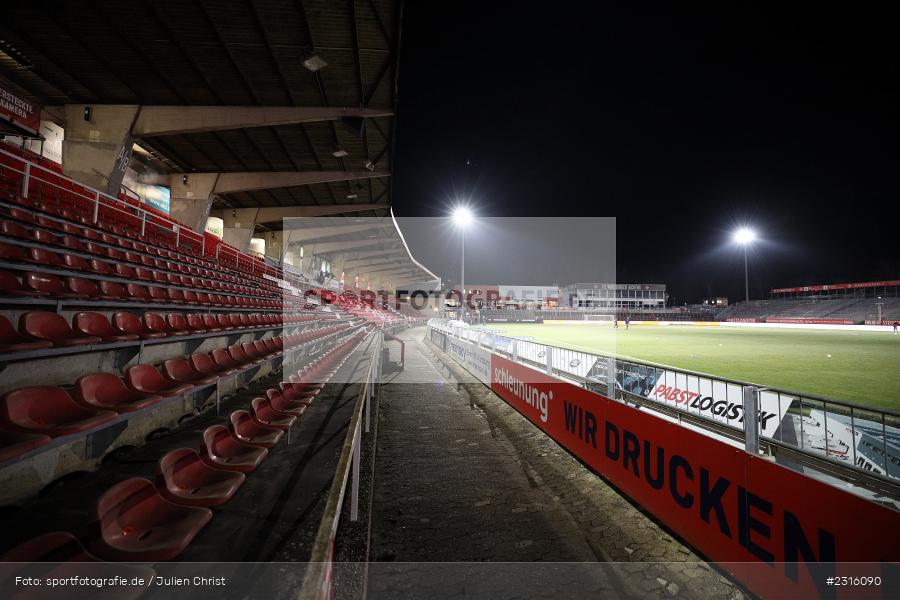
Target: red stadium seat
(48, 410)
(175, 296)
(221, 450)
(202, 363)
(266, 415)
(110, 290)
(81, 287)
(246, 430)
(195, 323)
(11, 286)
(283, 405)
(158, 294)
(53, 328)
(12, 253)
(13, 341)
(107, 391)
(124, 271)
(129, 324)
(239, 356)
(224, 323)
(155, 323)
(75, 263)
(137, 524)
(180, 370)
(190, 481)
(56, 546)
(101, 268)
(211, 323)
(146, 379)
(96, 324)
(40, 256)
(223, 359)
(15, 444)
(136, 292)
(11, 229)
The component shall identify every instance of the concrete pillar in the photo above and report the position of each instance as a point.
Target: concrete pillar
(275, 245)
(239, 225)
(97, 145)
(192, 197)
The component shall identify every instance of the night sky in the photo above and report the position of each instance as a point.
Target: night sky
(682, 125)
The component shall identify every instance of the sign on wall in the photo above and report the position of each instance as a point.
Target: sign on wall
(19, 111)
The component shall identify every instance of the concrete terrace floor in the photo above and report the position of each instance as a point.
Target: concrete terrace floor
(472, 501)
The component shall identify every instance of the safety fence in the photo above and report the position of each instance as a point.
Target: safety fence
(865, 440)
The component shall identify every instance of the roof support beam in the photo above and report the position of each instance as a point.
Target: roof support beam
(329, 247)
(230, 183)
(307, 234)
(276, 213)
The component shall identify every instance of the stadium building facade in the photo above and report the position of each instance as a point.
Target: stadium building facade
(628, 296)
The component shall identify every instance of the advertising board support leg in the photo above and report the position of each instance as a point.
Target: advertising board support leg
(751, 419)
(611, 378)
(549, 352)
(515, 351)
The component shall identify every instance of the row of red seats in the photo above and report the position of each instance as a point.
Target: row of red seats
(42, 329)
(146, 267)
(30, 416)
(143, 521)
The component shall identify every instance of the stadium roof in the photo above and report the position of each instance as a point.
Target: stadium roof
(220, 52)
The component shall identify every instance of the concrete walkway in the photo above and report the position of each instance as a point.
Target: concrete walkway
(471, 501)
(450, 491)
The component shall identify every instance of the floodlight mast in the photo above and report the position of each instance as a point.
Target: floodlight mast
(462, 216)
(745, 236)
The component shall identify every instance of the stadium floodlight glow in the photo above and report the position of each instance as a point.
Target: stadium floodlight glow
(462, 216)
(744, 235)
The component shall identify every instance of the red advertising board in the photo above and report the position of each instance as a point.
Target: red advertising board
(836, 286)
(780, 533)
(16, 109)
(810, 321)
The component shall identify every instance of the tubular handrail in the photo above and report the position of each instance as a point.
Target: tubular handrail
(872, 427)
(317, 581)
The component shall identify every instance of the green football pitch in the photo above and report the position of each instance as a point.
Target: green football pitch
(863, 367)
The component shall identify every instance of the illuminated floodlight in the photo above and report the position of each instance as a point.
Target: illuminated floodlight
(462, 216)
(744, 235)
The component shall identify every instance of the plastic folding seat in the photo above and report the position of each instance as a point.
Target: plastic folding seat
(270, 346)
(239, 356)
(190, 297)
(146, 379)
(48, 410)
(136, 292)
(11, 229)
(235, 321)
(160, 277)
(75, 263)
(180, 370)
(53, 328)
(107, 391)
(78, 287)
(266, 415)
(115, 254)
(158, 294)
(294, 406)
(220, 449)
(141, 259)
(40, 256)
(125, 271)
(175, 296)
(96, 249)
(223, 321)
(178, 322)
(188, 480)
(101, 268)
(252, 352)
(53, 547)
(245, 320)
(110, 290)
(91, 234)
(144, 274)
(72, 243)
(211, 322)
(21, 215)
(11, 286)
(195, 324)
(174, 279)
(45, 237)
(138, 524)
(13, 341)
(262, 348)
(128, 324)
(14, 444)
(155, 323)
(12, 253)
(204, 364)
(249, 431)
(203, 298)
(73, 230)
(223, 358)
(96, 324)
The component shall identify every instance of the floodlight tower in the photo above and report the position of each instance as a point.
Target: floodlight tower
(745, 236)
(462, 217)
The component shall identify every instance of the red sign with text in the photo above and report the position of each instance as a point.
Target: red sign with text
(16, 109)
(784, 529)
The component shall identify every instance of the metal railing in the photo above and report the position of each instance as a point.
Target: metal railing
(863, 439)
(36, 182)
(318, 578)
